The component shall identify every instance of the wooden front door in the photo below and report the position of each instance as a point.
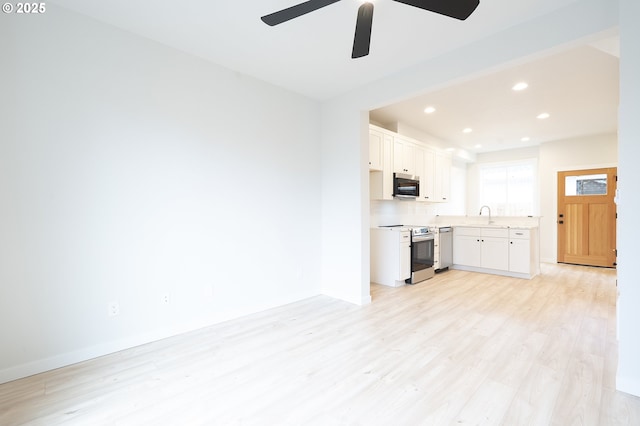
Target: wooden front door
(587, 217)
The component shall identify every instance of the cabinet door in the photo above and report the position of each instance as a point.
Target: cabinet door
(380, 180)
(427, 174)
(403, 157)
(376, 150)
(520, 255)
(442, 177)
(466, 250)
(495, 253)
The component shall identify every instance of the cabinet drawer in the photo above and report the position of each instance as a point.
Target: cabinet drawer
(495, 232)
(523, 234)
(463, 230)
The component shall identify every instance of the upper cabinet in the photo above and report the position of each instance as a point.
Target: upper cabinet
(391, 153)
(442, 177)
(426, 163)
(380, 164)
(376, 149)
(404, 156)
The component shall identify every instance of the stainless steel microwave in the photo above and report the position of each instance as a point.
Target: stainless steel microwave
(405, 186)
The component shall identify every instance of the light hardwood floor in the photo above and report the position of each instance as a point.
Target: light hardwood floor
(461, 348)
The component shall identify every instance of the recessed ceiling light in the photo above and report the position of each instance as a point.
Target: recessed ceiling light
(429, 110)
(467, 130)
(525, 139)
(543, 116)
(450, 149)
(520, 86)
(478, 146)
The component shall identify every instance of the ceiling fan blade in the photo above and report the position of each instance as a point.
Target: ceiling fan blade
(459, 9)
(295, 11)
(362, 37)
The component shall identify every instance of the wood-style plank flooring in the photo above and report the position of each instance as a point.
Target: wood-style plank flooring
(461, 348)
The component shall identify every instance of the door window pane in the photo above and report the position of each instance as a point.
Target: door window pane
(585, 185)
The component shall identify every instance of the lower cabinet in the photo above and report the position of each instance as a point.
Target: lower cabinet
(494, 253)
(466, 248)
(504, 251)
(481, 247)
(523, 257)
(390, 256)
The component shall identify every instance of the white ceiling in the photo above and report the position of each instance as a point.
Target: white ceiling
(311, 55)
(577, 87)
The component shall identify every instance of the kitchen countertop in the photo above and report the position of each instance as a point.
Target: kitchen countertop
(516, 222)
(493, 225)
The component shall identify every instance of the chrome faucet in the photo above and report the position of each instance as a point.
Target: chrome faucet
(488, 208)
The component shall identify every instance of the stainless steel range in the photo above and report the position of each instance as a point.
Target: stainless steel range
(422, 251)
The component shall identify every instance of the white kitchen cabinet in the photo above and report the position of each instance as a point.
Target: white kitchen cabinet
(391, 153)
(522, 252)
(380, 179)
(376, 149)
(404, 160)
(494, 253)
(486, 248)
(466, 249)
(434, 169)
(442, 178)
(519, 255)
(425, 168)
(390, 256)
(503, 251)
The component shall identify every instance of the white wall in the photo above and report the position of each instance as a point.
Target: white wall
(128, 171)
(628, 378)
(573, 154)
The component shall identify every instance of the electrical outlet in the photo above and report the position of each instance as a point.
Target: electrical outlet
(166, 299)
(113, 309)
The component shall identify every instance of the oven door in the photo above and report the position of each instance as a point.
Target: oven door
(422, 249)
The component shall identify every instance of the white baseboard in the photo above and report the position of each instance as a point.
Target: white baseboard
(42, 365)
(84, 354)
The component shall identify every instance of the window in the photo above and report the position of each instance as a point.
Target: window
(509, 188)
(586, 185)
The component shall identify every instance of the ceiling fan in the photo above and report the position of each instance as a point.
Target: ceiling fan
(459, 9)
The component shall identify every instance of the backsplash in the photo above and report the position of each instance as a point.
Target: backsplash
(405, 212)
